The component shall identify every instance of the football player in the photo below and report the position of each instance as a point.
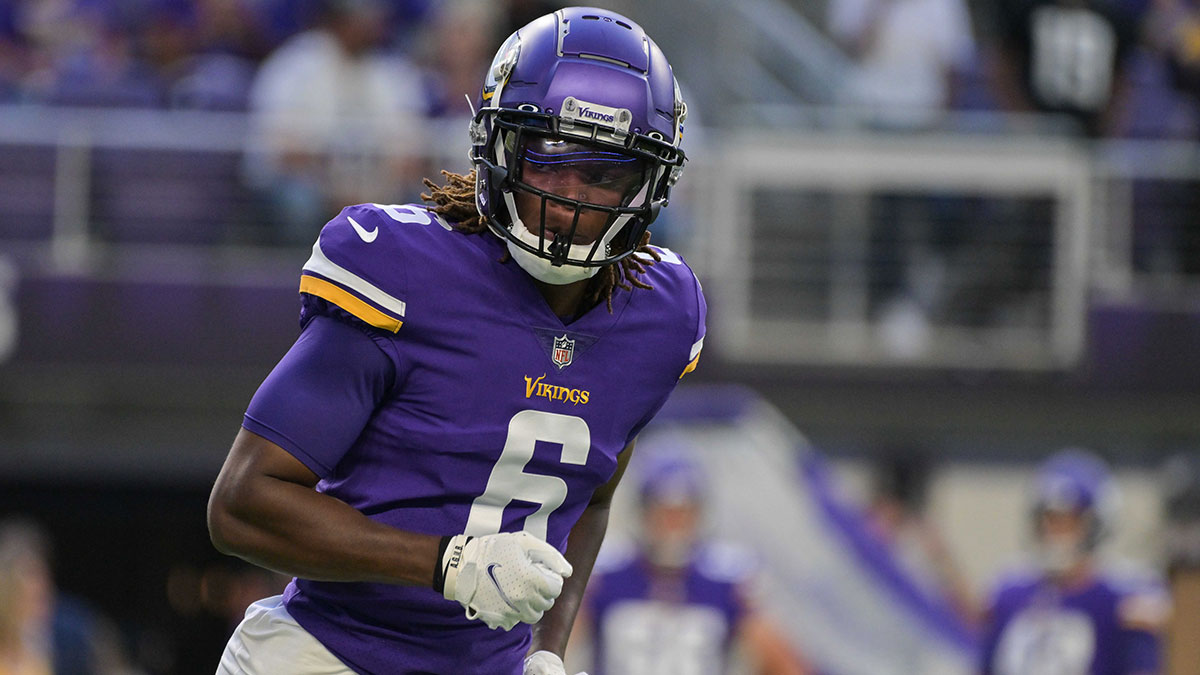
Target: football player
(434, 458)
(1068, 617)
(676, 602)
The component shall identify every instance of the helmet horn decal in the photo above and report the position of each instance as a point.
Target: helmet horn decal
(501, 69)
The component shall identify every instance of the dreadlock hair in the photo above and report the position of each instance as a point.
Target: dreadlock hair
(455, 201)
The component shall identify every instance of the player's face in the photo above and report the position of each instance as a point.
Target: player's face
(1062, 525)
(34, 597)
(577, 171)
(1061, 538)
(671, 529)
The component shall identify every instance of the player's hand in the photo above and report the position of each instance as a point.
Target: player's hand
(545, 663)
(503, 579)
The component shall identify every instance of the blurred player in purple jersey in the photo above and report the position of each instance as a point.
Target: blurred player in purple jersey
(1069, 617)
(434, 458)
(676, 603)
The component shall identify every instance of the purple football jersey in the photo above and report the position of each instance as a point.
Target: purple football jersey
(1105, 627)
(645, 622)
(496, 416)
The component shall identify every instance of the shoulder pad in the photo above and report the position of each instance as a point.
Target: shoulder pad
(1147, 610)
(1014, 578)
(1143, 601)
(669, 269)
(357, 262)
(726, 562)
(672, 276)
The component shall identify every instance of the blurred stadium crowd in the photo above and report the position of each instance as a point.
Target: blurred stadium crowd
(1133, 71)
(123, 366)
(376, 73)
(201, 55)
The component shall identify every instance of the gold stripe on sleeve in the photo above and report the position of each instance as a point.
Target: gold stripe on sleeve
(690, 367)
(340, 297)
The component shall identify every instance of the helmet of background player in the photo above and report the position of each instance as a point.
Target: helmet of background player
(672, 491)
(576, 141)
(1075, 500)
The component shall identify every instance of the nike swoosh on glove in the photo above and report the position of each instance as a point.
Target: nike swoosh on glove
(545, 663)
(502, 579)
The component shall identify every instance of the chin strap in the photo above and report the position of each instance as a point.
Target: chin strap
(558, 249)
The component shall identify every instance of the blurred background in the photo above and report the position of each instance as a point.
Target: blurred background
(940, 239)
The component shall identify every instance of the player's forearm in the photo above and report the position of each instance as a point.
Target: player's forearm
(294, 530)
(552, 632)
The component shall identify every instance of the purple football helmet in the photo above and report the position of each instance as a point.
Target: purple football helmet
(579, 117)
(673, 478)
(1078, 481)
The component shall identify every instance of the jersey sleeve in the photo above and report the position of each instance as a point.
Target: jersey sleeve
(320, 396)
(358, 263)
(739, 568)
(678, 283)
(1141, 652)
(1143, 610)
(683, 286)
(699, 318)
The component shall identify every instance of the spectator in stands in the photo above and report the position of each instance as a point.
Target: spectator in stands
(1167, 238)
(41, 630)
(908, 55)
(86, 54)
(334, 119)
(455, 51)
(165, 38)
(25, 603)
(1066, 57)
(676, 603)
(1175, 28)
(907, 52)
(228, 44)
(14, 56)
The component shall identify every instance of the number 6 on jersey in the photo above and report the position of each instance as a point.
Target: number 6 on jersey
(509, 480)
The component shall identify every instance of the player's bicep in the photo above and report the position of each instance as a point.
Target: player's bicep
(253, 457)
(254, 473)
(321, 395)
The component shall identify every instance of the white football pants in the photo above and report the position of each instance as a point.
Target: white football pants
(270, 642)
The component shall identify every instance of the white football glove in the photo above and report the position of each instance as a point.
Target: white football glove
(545, 663)
(504, 578)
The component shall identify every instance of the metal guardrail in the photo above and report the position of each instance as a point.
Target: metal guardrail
(807, 241)
(848, 171)
(1146, 237)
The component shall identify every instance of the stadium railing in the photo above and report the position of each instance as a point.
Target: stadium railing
(861, 248)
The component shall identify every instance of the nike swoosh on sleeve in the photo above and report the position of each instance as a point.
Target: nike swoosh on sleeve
(362, 231)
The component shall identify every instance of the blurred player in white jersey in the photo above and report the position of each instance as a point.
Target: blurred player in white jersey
(673, 602)
(1068, 616)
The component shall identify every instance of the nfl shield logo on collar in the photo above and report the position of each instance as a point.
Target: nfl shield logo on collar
(564, 351)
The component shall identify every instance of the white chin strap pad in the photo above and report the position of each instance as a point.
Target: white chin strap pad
(540, 268)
